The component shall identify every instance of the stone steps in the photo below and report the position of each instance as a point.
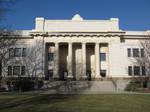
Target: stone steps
(81, 86)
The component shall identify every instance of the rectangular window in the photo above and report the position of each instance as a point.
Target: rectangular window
(50, 56)
(142, 52)
(129, 52)
(11, 52)
(130, 70)
(137, 70)
(103, 56)
(24, 52)
(143, 70)
(23, 70)
(103, 73)
(16, 70)
(135, 52)
(9, 70)
(17, 52)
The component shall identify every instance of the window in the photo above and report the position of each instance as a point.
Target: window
(130, 70)
(142, 52)
(23, 70)
(11, 52)
(135, 52)
(9, 70)
(137, 70)
(103, 73)
(103, 56)
(143, 70)
(17, 52)
(129, 52)
(16, 70)
(50, 56)
(24, 52)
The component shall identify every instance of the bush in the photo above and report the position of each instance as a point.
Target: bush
(23, 84)
(2, 89)
(40, 83)
(132, 86)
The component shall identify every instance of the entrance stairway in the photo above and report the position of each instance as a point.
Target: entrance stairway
(84, 86)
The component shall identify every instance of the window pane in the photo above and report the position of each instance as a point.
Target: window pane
(142, 52)
(50, 56)
(16, 70)
(143, 70)
(136, 70)
(17, 52)
(24, 52)
(9, 70)
(23, 70)
(135, 52)
(11, 52)
(103, 73)
(103, 56)
(129, 52)
(130, 70)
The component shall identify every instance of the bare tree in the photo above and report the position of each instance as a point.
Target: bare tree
(6, 35)
(144, 61)
(33, 59)
(7, 39)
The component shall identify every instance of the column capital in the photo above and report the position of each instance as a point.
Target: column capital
(83, 42)
(97, 43)
(56, 42)
(70, 42)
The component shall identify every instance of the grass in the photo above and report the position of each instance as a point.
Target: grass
(74, 103)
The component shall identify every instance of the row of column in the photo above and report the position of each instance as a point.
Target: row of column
(69, 64)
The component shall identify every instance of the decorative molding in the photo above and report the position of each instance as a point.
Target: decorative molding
(78, 34)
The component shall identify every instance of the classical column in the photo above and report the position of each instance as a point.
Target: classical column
(56, 62)
(97, 60)
(84, 60)
(70, 75)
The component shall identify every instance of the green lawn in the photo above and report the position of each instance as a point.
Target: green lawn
(74, 103)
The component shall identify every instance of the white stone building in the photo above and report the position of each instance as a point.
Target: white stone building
(77, 49)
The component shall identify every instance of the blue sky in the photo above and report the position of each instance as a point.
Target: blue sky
(133, 14)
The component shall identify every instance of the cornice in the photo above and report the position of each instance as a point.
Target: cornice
(78, 34)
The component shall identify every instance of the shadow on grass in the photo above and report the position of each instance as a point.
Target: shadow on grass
(23, 100)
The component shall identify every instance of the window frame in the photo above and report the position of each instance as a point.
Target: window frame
(11, 52)
(136, 54)
(10, 71)
(50, 57)
(104, 56)
(129, 52)
(130, 71)
(135, 72)
(14, 68)
(103, 71)
(24, 52)
(17, 52)
(143, 71)
(142, 52)
(23, 70)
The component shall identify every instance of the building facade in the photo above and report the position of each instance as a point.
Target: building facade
(77, 49)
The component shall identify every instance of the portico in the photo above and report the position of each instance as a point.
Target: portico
(74, 60)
